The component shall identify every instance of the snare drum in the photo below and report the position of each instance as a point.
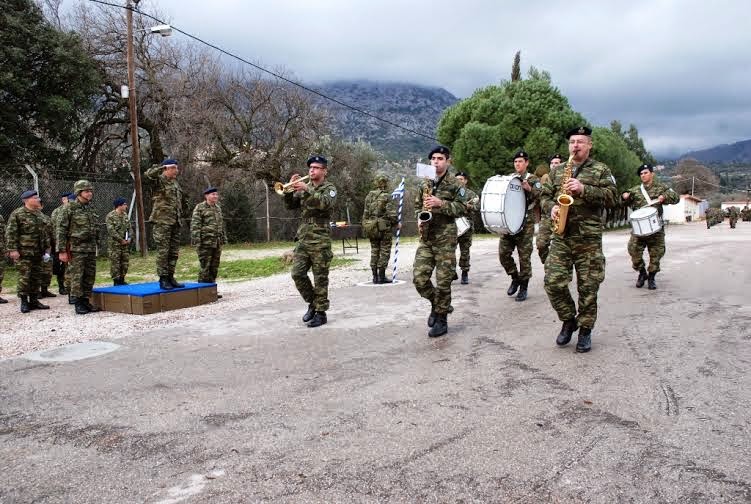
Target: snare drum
(645, 221)
(462, 225)
(503, 205)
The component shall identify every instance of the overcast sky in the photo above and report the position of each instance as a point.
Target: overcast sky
(679, 70)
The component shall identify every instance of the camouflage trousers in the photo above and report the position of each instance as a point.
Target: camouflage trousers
(585, 255)
(522, 242)
(733, 221)
(119, 259)
(60, 270)
(316, 256)
(208, 258)
(46, 279)
(437, 253)
(29, 269)
(464, 242)
(655, 245)
(380, 250)
(544, 235)
(82, 268)
(167, 240)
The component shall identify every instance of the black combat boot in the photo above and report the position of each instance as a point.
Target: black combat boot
(514, 284)
(522, 294)
(567, 330)
(164, 283)
(81, 307)
(440, 327)
(318, 319)
(122, 281)
(584, 344)
(432, 316)
(382, 276)
(376, 279)
(465, 277)
(308, 314)
(175, 283)
(45, 293)
(61, 285)
(72, 299)
(651, 285)
(2, 300)
(642, 278)
(34, 304)
(116, 282)
(90, 306)
(25, 304)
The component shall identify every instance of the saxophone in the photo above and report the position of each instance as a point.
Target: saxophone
(425, 214)
(564, 199)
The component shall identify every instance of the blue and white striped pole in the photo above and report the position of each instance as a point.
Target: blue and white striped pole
(398, 193)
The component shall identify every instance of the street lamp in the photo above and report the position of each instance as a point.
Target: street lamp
(164, 31)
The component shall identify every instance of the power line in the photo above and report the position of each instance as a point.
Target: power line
(280, 77)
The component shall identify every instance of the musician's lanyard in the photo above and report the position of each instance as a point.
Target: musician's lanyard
(646, 196)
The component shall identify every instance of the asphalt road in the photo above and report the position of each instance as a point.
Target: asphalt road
(253, 406)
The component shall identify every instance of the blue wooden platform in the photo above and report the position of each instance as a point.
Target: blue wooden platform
(147, 298)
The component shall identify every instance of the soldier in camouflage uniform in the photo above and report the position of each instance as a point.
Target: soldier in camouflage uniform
(522, 241)
(207, 234)
(2, 256)
(313, 249)
(593, 188)
(119, 232)
(27, 242)
(545, 232)
(445, 199)
(465, 240)
(655, 243)
(76, 241)
(165, 217)
(47, 263)
(378, 220)
(733, 214)
(746, 214)
(58, 267)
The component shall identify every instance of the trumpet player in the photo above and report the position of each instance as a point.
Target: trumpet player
(521, 241)
(437, 205)
(579, 246)
(316, 198)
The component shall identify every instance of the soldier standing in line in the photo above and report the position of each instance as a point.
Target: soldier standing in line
(580, 246)
(545, 232)
(47, 265)
(378, 220)
(119, 233)
(3, 253)
(655, 243)
(521, 241)
(733, 214)
(166, 215)
(313, 249)
(444, 200)
(465, 240)
(28, 243)
(58, 267)
(77, 238)
(207, 234)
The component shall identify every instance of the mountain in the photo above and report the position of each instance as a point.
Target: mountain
(739, 152)
(415, 107)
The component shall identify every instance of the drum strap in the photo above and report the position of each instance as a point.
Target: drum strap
(646, 196)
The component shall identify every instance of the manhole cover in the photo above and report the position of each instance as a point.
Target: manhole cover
(74, 352)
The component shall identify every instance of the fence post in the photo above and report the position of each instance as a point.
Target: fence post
(34, 176)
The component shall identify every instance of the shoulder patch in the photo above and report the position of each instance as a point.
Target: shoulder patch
(332, 193)
(462, 192)
(538, 185)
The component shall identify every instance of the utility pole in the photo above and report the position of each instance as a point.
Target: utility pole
(692, 185)
(135, 145)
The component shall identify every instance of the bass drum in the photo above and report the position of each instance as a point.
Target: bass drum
(503, 204)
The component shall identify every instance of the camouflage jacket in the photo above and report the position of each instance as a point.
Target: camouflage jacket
(585, 213)
(454, 198)
(379, 205)
(118, 226)
(2, 238)
(533, 195)
(733, 212)
(78, 228)
(26, 232)
(167, 198)
(655, 190)
(317, 204)
(49, 229)
(56, 214)
(207, 226)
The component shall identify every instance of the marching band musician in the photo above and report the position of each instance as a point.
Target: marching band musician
(545, 233)
(521, 241)
(445, 200)
(580, 246)
(465, 240)
(637, 197)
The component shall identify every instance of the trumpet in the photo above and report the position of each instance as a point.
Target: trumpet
(281, 188)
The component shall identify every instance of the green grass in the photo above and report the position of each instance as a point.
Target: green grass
(143, 269)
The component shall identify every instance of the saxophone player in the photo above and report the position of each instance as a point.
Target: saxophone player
(593, 189)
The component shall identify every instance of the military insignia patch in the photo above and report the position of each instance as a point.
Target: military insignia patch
(538, 185)
(332, 193)
(461, 192)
